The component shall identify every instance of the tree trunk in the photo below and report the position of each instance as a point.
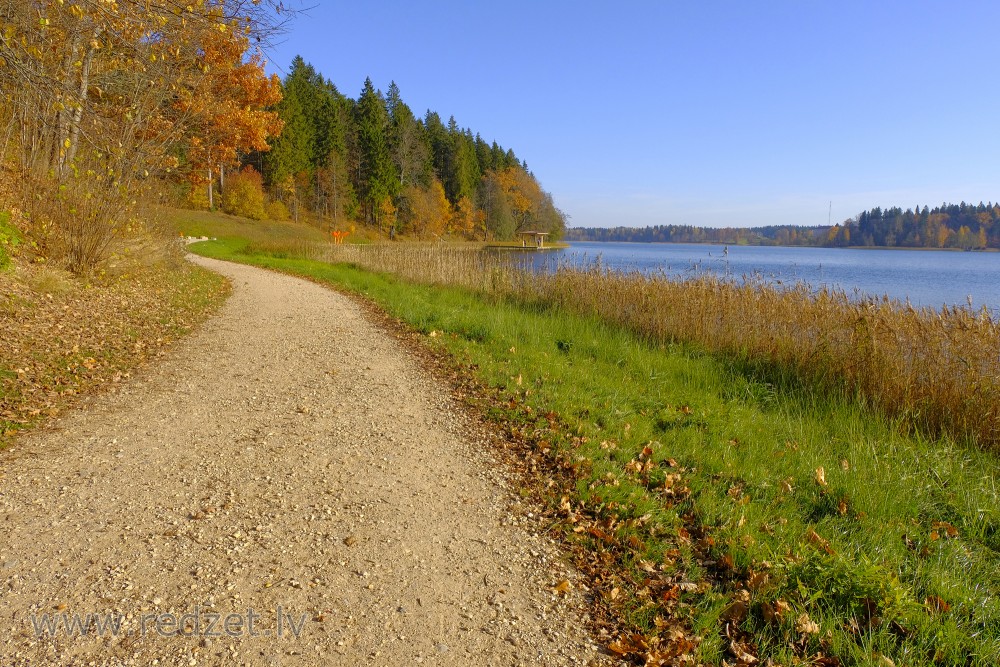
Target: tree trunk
(74, 133)
(57, 149)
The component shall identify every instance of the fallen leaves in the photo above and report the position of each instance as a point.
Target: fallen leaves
(936, 604)
(562, 588)
(806, 626)
(741, 651)
(634, 643)
(775, 613)
(758, 580)
(944, 528)
(819, 542)
(61, 342)
(676, 647)
(735, 612)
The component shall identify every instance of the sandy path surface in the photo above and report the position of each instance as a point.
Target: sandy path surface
(287, 470)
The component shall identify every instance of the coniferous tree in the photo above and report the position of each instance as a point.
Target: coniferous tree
(484, 158)
(467, 172)
(292, 152)
(498, 158)
(440, 145)
(378, 182)
(372, 160)
(334, 192)
(411, 152)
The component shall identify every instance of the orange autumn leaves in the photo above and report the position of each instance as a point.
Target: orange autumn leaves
(426, 213)
(229, 107)
(111, 77)
(99, 98)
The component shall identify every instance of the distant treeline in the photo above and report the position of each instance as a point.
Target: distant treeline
(964, 226)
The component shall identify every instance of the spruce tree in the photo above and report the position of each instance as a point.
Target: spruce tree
(378, 181)
(411, 153)
(292, 151)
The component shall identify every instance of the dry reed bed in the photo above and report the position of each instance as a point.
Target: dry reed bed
(938, 371)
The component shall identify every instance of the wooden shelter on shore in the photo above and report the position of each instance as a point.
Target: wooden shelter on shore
(537, 238)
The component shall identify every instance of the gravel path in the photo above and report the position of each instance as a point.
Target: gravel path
(288, 469)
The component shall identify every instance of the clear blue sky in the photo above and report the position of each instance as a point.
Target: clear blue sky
(707, 113)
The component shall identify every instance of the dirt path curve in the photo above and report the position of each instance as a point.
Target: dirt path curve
(287, 469)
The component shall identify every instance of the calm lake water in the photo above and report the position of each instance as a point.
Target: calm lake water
(926, 278)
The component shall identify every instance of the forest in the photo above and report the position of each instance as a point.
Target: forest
(111, 108)
(959, 226)
(372, 162)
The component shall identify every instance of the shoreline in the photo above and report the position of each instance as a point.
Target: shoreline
(778, 245)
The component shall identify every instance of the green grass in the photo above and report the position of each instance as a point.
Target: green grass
(10, 238)
(222, 226)
(693, 468)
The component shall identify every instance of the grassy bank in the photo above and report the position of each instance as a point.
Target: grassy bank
(932, 371)
(61, 335)
(772, 521)
(935, 372)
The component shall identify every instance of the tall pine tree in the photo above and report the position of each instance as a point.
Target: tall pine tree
(411, 153)
(378, 182)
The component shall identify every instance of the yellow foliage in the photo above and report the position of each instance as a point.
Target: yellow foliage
(521, 190)
(387, 211)
(244, 195)
(276, 210)
(465, 219)
(425, 213)
(98, 103)
(198, 197)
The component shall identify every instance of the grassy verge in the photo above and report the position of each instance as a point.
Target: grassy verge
(220, 225)
(61, 336)
(771, 523)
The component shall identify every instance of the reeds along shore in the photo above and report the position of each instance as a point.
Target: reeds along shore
(936, 371)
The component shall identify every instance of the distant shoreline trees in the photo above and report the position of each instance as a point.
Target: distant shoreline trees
(959, 226)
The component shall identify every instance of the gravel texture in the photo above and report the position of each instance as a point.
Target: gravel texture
(289, 457)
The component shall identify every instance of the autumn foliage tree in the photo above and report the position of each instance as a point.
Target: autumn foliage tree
(244, 195)
(102, 97)
(424, 213)
(465, 220)
(228, 111)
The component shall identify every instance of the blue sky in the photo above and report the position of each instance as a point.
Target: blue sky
(695, 112)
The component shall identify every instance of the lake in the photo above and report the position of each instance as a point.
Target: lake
(926, 278)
